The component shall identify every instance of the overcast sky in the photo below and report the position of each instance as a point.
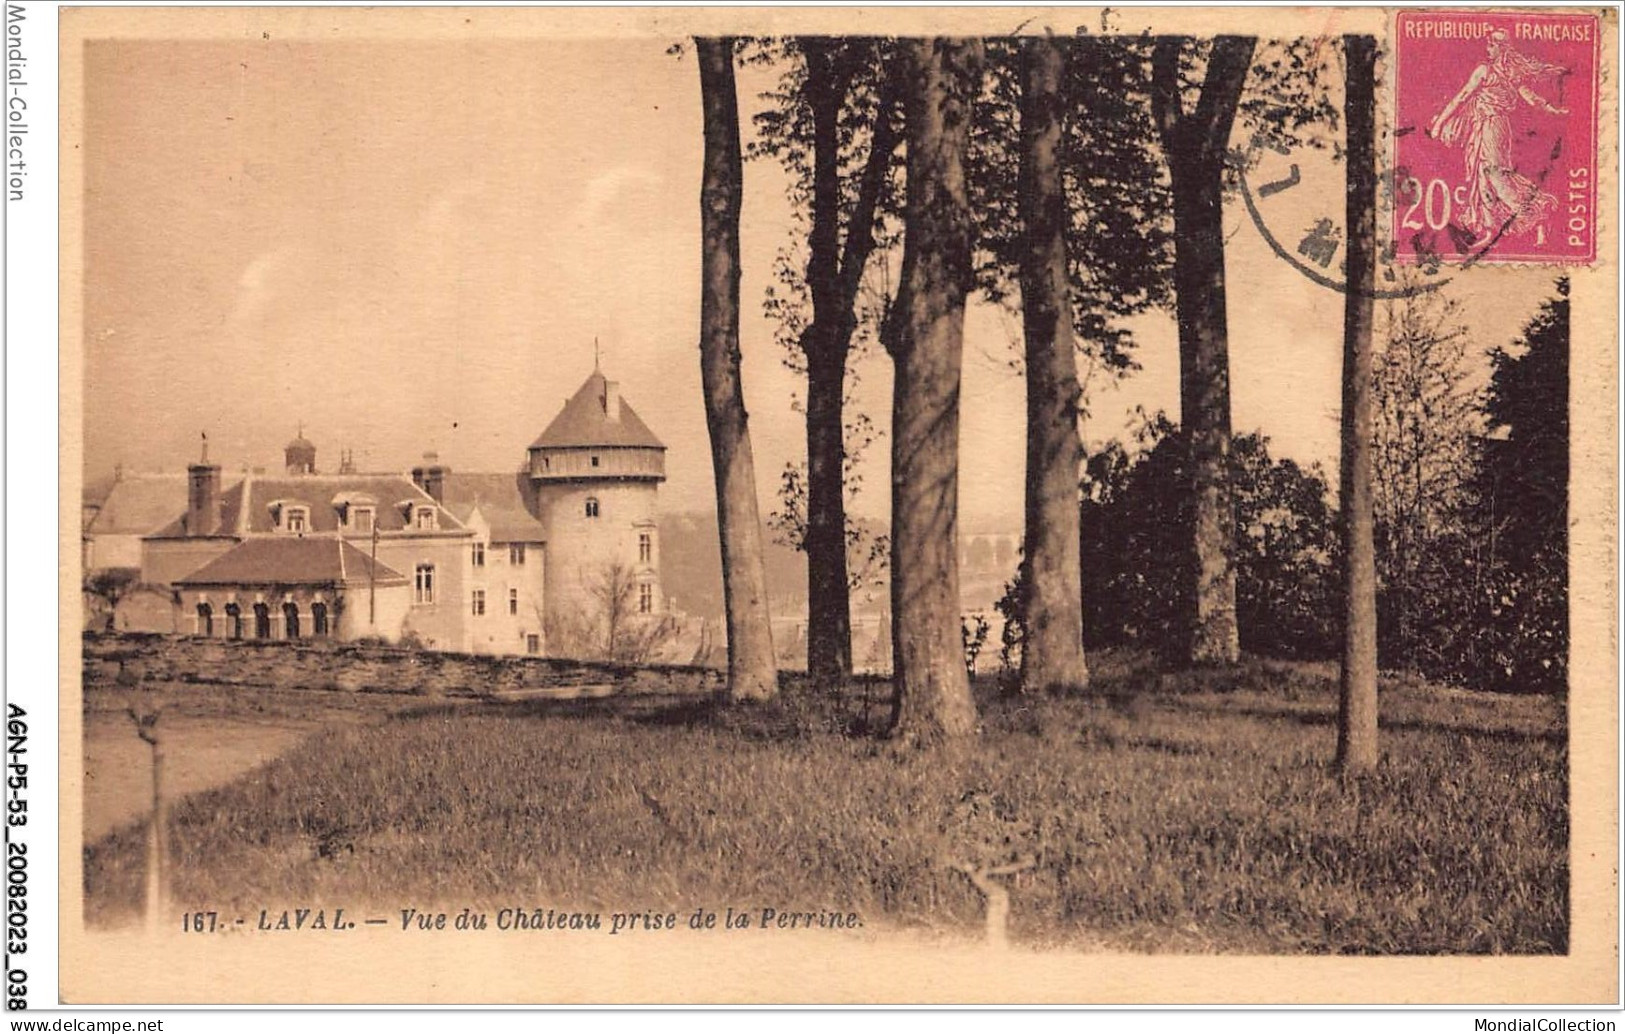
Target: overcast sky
(412, 245)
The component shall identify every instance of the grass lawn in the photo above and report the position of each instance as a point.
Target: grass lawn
(212, 735)
(1178, 813)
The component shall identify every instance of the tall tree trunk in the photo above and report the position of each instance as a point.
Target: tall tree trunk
(752, 673)
(834, 274)
(932, 699)
(829, 607)
(1196, 144)
(1204, 404)
(1052, 652)
(1357, 710)
(826, 342)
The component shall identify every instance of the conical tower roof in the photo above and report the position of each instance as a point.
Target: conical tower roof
(596, 416)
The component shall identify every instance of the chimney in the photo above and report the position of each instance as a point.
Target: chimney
(203, 497)
(431, 476)
(612, 401)
(434, 482)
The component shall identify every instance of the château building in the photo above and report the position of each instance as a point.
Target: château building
(536, 561)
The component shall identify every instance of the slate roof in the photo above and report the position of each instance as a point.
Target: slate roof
(584, 423)
(245, 508)
(292, 561)
(95, 491)
(138, 504)
(506, 501)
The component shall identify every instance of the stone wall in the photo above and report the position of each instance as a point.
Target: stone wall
(121, 658)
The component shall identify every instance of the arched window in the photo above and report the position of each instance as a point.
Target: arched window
(592, 506)
(290, 620)
(262, 621)
(318, 619)
(234, 621)
(205, 619)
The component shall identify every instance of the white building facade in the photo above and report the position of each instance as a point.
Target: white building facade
(547, 560)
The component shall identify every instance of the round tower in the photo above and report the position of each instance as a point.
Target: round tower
(597, 471)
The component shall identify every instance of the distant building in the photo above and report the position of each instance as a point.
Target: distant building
(527, 562)
(293, 588)
(595, 472)
(121, 510)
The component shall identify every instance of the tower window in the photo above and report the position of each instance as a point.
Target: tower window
(234, 621)
(318, 619)
(478, 600)
(478, 554)
(513, 601)
(290, 620)
(646, 547)
(516, 553)
(205, 619)
(592, 506)
(423, 584)
(646, 598)
(262, 621)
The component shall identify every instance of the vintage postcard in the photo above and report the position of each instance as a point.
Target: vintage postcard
(842, 506)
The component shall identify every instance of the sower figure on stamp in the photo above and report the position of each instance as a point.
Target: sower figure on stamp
(1479, 118)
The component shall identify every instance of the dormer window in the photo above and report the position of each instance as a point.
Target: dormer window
(423, 518)
(357, 511)
(289, 516)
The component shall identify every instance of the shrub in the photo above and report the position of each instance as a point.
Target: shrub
(1136, 554)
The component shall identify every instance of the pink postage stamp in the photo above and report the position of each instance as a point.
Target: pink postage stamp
(1495, 137)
